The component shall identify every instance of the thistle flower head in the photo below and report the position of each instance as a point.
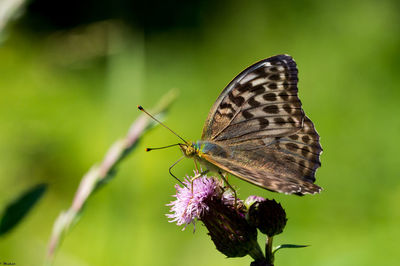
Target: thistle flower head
(191, 199)
(205, 199)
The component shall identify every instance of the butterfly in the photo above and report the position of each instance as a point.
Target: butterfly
(258, 131)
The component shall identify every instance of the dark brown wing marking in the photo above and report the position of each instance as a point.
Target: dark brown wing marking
(260, 101)
(259, 121)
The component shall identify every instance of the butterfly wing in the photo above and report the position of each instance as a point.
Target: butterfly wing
(260, 101)
(259, 120)
(286, 165)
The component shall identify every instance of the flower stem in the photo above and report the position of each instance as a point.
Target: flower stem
(268, 251)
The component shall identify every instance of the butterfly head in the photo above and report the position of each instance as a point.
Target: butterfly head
(189, 149)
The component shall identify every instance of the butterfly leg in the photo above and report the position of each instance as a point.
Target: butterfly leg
(169, 170)
(195, 165)
(197, 176)
(229, 185)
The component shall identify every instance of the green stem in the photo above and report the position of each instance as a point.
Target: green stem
(268, 251)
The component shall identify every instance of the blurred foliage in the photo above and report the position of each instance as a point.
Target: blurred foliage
(68, 90)
(18, 209)
(101, 173)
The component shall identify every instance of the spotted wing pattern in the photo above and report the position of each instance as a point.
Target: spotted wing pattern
(259, 121)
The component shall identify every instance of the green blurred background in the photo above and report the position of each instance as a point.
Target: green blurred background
(72, 73)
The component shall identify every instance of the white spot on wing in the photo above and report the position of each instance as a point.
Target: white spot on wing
(259, 81)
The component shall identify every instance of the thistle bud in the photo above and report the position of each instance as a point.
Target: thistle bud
(267, 215)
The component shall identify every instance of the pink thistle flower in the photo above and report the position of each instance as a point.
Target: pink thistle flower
(191, 205)
(207, 200)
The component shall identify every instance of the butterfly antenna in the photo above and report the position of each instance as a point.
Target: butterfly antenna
(159, 148)
(158, 121)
